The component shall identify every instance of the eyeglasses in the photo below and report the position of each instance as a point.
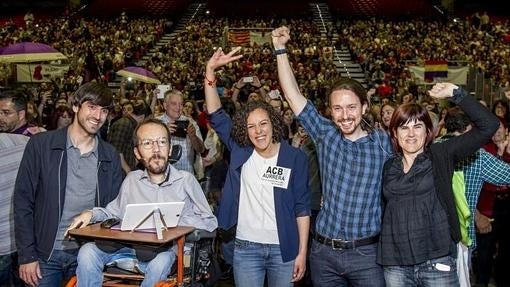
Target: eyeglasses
(149, 143)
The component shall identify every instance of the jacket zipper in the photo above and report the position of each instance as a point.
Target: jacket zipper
(59, 207)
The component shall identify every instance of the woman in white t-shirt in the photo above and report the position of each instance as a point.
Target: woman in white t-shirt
(265, 200)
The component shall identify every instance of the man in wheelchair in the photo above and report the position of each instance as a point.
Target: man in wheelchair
(159, 182)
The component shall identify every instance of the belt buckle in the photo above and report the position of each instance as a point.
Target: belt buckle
(340, 241)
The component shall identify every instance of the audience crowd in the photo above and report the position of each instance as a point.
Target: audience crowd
(98, 48)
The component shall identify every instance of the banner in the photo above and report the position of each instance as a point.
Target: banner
(37, 73)
(239, 38)
(260, 38)
(435, 69)
(455, 75)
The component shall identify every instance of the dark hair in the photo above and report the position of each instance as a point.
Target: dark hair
(194, 111)
(409, 113)
(96, 93)
(33, 119)
(147, 122)
(456, 120)
(355, 87)
(293, 126)
(391, 104)
(56, 114)
(17, 97)
(240, 131)
(505, 105)
(140, 109)
(351, 85)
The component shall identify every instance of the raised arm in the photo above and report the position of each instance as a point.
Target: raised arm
(218, 59)
(485, 123)
(288, 82)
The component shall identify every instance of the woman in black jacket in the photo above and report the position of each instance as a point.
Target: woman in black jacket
(420, 227)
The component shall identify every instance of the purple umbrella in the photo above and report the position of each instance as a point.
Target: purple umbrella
(26, 52)
(139, 74)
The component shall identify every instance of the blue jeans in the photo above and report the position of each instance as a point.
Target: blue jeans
(433, 273)
(252, 261)
(347, 267)
(91, 262)
(61, 266)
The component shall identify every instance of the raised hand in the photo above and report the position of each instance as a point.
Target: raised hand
(442, 90)
(219, 58)
(256, 82)
(280, 37)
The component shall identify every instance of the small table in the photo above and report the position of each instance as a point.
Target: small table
(95, 232)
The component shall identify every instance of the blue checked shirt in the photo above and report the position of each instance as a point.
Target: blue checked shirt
(479, 168)
(351, 174)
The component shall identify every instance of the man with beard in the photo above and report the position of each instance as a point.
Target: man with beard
(159, 182)
(13, 114)
(351, 156)
(62, 173)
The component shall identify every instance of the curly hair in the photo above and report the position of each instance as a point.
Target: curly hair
(240, 131)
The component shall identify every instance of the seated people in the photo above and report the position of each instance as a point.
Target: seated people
(159, 182)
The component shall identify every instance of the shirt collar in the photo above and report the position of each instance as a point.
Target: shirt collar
(172, 175)
(69, 143)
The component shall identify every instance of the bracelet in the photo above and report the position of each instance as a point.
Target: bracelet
(209, 82)
(277, 52)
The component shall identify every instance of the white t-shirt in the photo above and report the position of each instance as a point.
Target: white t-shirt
(256, 216)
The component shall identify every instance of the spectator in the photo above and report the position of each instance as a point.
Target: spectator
(492, 220)
(121, 132)
(188, 137)
(500, 109)
(13, 114)
(387, 111)
(61, 117)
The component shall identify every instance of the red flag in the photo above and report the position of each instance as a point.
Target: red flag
(239, 38)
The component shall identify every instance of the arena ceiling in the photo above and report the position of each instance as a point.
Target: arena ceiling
(175, 7)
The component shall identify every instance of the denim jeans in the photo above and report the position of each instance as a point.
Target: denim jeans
(439, 272)
(91, 262)
(346, 267)
(61, 266)
(252, 261)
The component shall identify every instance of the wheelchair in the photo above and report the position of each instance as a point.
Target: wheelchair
(201, 267)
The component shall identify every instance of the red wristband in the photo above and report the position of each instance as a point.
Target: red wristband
(209, 82)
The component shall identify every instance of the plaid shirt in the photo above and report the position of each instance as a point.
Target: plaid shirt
(351, 174)
(479, 168)
(120, 135)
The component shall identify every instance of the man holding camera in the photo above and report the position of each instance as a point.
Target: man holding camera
(184, 130)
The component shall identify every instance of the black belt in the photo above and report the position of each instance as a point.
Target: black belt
(339, 244)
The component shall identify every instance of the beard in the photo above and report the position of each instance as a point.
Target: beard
(154, 164)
